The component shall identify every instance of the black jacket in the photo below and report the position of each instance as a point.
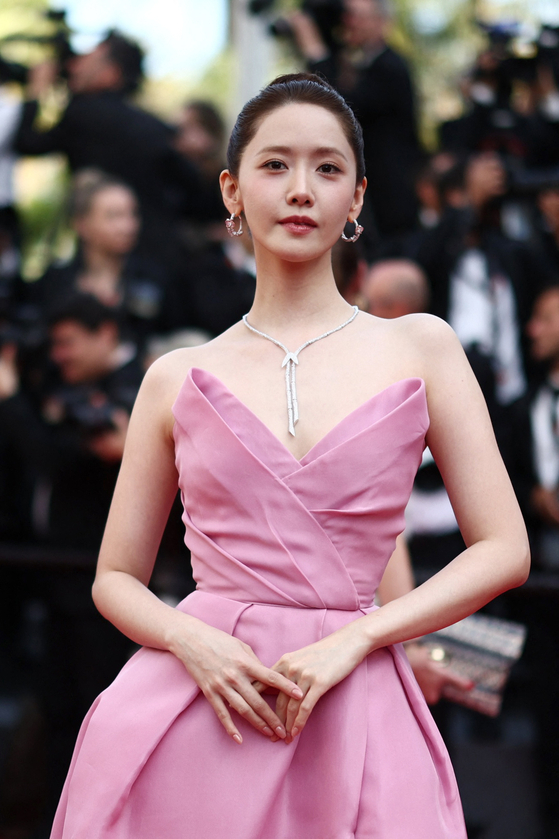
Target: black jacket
(383, 100)
(104, 131)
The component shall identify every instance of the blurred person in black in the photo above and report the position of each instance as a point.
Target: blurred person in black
(200, 138)
(69, 446)
(100, 128)
(103, 212)
(512, 101)
(547, 227)
(375, 81)
(536, 462)
(215, 282)
(534, 469)
(482, 282)
(71, 438)
(491, 122)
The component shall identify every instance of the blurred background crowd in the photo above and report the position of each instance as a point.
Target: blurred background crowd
(461, 220)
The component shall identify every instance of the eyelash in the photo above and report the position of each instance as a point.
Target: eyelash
(333, 168)
(272, 165)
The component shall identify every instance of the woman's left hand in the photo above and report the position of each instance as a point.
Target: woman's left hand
(316, 669)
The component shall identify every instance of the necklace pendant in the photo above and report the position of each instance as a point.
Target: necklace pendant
(290, 357)
(290, 360)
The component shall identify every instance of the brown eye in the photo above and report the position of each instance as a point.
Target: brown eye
(329, 169)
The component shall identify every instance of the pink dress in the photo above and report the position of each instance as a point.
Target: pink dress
(283, 552)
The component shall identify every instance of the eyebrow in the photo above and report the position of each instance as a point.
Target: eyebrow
(322, 150)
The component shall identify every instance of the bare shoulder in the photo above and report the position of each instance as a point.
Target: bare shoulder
(165, 377)
(167, 374)
(169, 371)
(162, 384)
(424, 332)
(414, 345)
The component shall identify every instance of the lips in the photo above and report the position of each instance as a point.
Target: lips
(299, 224)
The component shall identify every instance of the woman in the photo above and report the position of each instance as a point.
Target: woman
(103, 213)
(270, 702)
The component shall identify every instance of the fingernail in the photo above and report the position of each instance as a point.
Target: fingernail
(268, 731)
(297, 692)
(294, 732)
(237, 738)
(280, 731)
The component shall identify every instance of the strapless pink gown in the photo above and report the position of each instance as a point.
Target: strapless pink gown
(283, 552)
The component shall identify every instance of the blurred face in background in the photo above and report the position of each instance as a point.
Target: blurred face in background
(543, 327)
(93, 72)
(112, 222)
(193, 139)
(364, 23)
(82, 355)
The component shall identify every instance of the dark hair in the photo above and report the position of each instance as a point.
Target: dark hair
(86, 310)
(86, 184)
(128, 57)
(208, 117)
(305, 88)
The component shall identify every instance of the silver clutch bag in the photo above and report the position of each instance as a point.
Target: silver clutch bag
(482, 649)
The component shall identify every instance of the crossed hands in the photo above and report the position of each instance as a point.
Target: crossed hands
(231, 676)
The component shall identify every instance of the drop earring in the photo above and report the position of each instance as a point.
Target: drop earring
(230, 225)
(358, 231)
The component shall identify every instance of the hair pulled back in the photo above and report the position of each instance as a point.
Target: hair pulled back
(294, 88)
(87, 184)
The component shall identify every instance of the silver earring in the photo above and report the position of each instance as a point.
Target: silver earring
(358, 231)
(230, 225)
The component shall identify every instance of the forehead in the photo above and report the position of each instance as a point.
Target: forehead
(301, 125)
(362, 8)
(110, 195)
(65, 329)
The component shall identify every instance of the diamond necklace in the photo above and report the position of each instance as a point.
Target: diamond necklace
(291, 360)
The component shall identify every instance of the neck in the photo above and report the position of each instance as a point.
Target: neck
(293, 300)
(98, 261)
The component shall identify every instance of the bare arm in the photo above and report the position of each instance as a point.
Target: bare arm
(497, 557)
(432, 676)
(222, 666)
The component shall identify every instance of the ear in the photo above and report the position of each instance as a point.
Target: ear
(230, 192)
(357, 204)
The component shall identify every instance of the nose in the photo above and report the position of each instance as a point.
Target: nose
(300, 191)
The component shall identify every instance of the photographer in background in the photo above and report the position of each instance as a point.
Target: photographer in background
(376, 82)
(101, 129)
(69, 449)
(512, 102)
(72, 437)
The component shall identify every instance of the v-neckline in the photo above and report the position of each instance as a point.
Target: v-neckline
(300, 462)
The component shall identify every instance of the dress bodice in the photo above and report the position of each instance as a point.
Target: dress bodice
(284, 552)
(265, 527)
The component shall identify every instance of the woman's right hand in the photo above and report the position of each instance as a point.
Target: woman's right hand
(225, 670)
